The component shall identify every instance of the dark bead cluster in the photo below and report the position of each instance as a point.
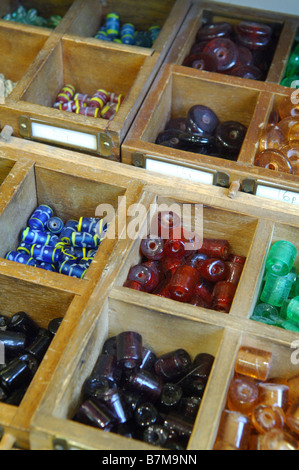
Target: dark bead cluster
(133, 392)
(25, 344)
(201, 272)
(244, 50)
(202, 132)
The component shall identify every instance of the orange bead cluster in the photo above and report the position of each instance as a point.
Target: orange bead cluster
(279, 143)
(102, 104)
(261, 413)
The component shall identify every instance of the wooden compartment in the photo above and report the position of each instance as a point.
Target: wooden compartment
(5, 167)
(202, 13)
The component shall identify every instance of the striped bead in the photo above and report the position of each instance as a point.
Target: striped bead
(21, 258)
(72, 269)
(40, 217)
(46, 253)
(69, 228)
(85, 240)
(65, 94)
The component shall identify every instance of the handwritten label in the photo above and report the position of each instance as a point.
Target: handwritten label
(63, 136)
(179, 171)
(277, 194)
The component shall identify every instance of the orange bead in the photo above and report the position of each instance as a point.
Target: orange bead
(264, 418)
(234, 429)
(291, 151)
(292, 417)
(273, 160)
(242, 395)
(287, 108)
(277, 439)
(271, 138)
(293, 384)
(253, 362)
(286, 124)
(294, 131)
(272, 394)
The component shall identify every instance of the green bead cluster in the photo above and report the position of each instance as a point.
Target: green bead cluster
(31, 17)
(292, 70)
(278, 303)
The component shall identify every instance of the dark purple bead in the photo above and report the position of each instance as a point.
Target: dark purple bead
(170, 397)
(146, 384)
(173, 365)
(148, 359)
(189, 406)
(129, 349)
(178, 423)
(156, 435)
(168, 138)
(176, 123)
(39, 346)
(23, 323)
(96, 415)
(115, 403)
(145, 414)
(230, 136)
(201, 119)
(109, 346)
(106, 367)
(94, 386)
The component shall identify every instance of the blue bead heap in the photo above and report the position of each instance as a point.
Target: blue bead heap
(49, 243)
(126, 33)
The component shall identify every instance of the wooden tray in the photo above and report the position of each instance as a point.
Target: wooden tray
(71, 55)
(161, 321)
(27, 179)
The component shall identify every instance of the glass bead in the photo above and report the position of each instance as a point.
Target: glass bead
(254, 28)
(234, 429)
(166, 224)
(204, 289)
(265, 418)
(201, 119)
(293, 63)
(195, 381)
(173, 365)
(278, 439)
(106, 366)
(134, 285)
(148, 359)
(170, 265)
(243, 395)
(162, 289)
(168, 138)
(225, 52)
(266, 313)
(286, 124)
(273, 394)
(195, 260)
(112, 398)
(94, 386)
(174, 421)
(294, 132)
(201, 61)
(288, 109)
(247, 71)
(189, 407)
(245, 56)
(18, 372)
(230, 136)
(253, 362)
(39, 346)
(148, 277)
(213, 269)
(147, 384)
(215, 248)
(174, 248)
(293, 384)
(273, 160)
(128, 349)
(13, 341)
(176, 123)
(155, 435)
(183, 282)
(291, 81)
(277, 288)
(170, 397)
(146, 414)
(281, 257)
(223, 296)
(292, 310)
(24, 323)
(234, 272)
(271, 138)
(95, 415)
(214, 30)
(152, 248)
(198, 301)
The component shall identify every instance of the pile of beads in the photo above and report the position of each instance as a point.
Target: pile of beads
(49, 244)
(7, 85)
(113, 31)
(279, 298)
(21, 15)
(102, 104)
(179, 267)
(244, 50)
(25, 344)
(134, 393)
(279, 143)
(202, 132)
(292, 70)
(261, 413)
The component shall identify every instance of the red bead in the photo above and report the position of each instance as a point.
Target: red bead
(213, 269)
(175, 248)
(201, 61)
(223, 295)
(196, 259)
(204, 289)
(134, 285)
(183, 282)
(152, 248)
(225, 52)
(215, 248)
(169, 265)
(198, 302)
(148, 277)
(99, 99)
(214, 30)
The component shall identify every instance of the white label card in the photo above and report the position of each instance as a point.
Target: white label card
(63, 136)
(277, 194)
(179, 171)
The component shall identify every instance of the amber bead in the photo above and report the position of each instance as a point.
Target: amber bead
(278, 439)
(223, 296)
(273, 160)
(273, 394)
(265, 418)
(271, 138)
(183, 282)
(286, 108)
(286, 125)
(293, 384)
(253, 362)
(294, 132)
(243, 394)
(234, 430)
(292, 417)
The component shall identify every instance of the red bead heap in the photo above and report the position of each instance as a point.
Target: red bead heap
(200, 272)
(102, 104)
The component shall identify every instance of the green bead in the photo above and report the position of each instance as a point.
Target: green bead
(293, 63)
(266, 313)
(288, 81)
(288, 325)
(292, 310)
(281, 258)
(277, 288)
(295, 289)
